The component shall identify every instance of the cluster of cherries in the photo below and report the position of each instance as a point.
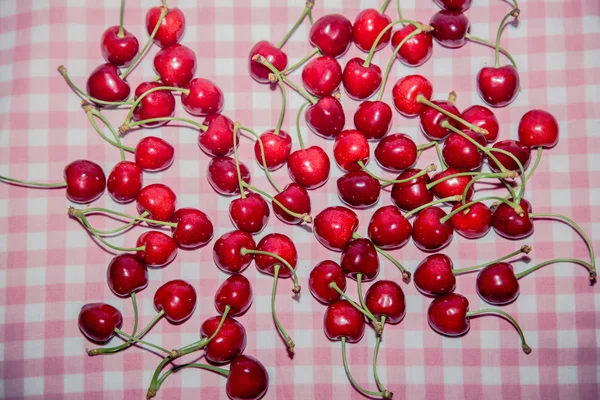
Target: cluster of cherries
(462, 141)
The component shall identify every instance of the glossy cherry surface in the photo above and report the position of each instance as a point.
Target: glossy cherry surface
(85, 181)
(476, 223)
(497, 284)
(159, 249)
(433, 276)
(514, 147)
(429, 233)
(177, 299)
(498, 86)
(171, 27)
(194, 228)
(118, 50)
(98, 321)
(388, 228)
(509, 224)
(453, 186)
(320, 278)
(228, 343)
(104, 83)
(296, 199)
(309, 167)
(360, 257)
(326, 118)
(322, 76)
(386, 298)
(280, 245)
(343, 320)
(226, 251)
(458, 5)
(369, 23)
(126, 274)
(447, 314)
(416, 50)
(204, 97)
(248, 379)
(218, 138)
(249, 214)
(277, 148)
(483, 117)
(406, 91)
(334, 226)
(235, 292)
(349, 147)
(272, 54)
(158, 201)
(331, 34)
(450, 28)
(154, 154)
(431, 120)
(159, 104)
(222, 175)
(124, 181)
(538, 128)
(396, 152)
(358, 189)
(361, 82)
(373, 119)
(176, 65)
(412, 194)
(461, 154)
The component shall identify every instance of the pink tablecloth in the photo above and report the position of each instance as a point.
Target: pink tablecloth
(49, 267)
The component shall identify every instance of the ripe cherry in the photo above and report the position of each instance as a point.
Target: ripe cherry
(159, 249)
(171, 28)
(118, 50)
(331, 34)
(326, 117)
(249, 214)
(361, 81)
(154, 154)
(248, 379)
(218, 138)
(484, 118)
(322, 76)
(334, 227)
(429, 232)
(388, 228)
(451, 187)
(85, 181)
(280, 245)
(498, 86)
(386, 299)
(476, 223)
(235, 292)
(98, 321)
(509, 224)
(433, 276)
(227, 344)
(450, 28)
(176, 65)
(309, 167)
(514, 147)
(158, 201)
(226, 251)
(194, 228)
(358, 189)
(222, 175)
(295, 198)
(277, 148)
(538, 128)
(275, 56)
(406, 91)
(177, 299)
(124, 181)
(104, 83)
(159, 104)
(204, 97)
(411, 194)
(360, 258)
(458, 5)
(373, 119)
(396, 152)
(416, 50)
(461, 154)
(497, 284)
(126, 274)
(431, 120)
(342, 320)
(349, 147)
(369, 23)
(322, 276)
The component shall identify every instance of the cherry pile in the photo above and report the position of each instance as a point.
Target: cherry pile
(464, 141)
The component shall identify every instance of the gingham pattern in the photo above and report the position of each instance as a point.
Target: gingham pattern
(49, 267)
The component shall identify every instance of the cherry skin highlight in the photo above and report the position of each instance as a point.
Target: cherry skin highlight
(484, 118)
(97, 321)
(159, 104)
(396, 152)
(226, 251)
(334, 227)
(309, 167)
(249, 214)
(194, 228)
(126, 274)
(509, 224)
(218, 138)
(176, 65)
(296, 199)
(361, 82)
(514, 147)
(235, 292)
(373, 119)
(538, 128)
(349, 147)
(498, 86)
(158, 200)
(85, 181)
(386, 298)
(229, 343)
(406, 91)
(447, 315)
(429, 233)
(321, 276)
(277, 149)
(171, 27)
(388, 228)
(159, 249)
(358, 189)
(331, 34)
(450, 28)
(416, 50)
(453, 186)
(222, 175)
(433, 276)
(497, 284)
(360, 257)
(154, 154)
(204, 98)
(343, 320)
(272, 54)
(104, 83)
(326, 118)
(118, 50)
(125, 182)
(457, 5)
(177, 299)
(280, 245)
(476, 223)
(412, 194)
(369, 23)
(461, 154)
(431, 120)
(248, 379)
(322, 76)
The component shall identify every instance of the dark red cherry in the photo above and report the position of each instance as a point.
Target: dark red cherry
(497, 284)
(358, 189)
(126, 274)
(280, 245)
(154, 154)
(159, 104)
(171, 27)
(458, 5)
(218, 138)
(373, 119)
(321, 276)
(429, 233)
(177, 299)
(334, 227)
(461, 154)
(431, 120)
(97, 321)
(331, 34)
(227, 344)
(509, 224)
(322, 76)
(248, 379)
(342, 320)
(118, 50)
(277, 148)
(176, 65)
(388, 228)
(222, 175)
(249, 214)
(124, 181)
(85, 181)
(159, 249)
(360, 257)
(204, 97)
(326, 118)
(476, 223)
(235, 292)
(309, 167)
(514, 147)
(158, 201)
(450, 28)
(369, 23)
(406, 91)
(482, 117)
(433, 276)
(498, 86)
(538, 128)
(349, 147)
(194, 228)
(386, 298)
(448, 314)
(104, 83)
(396, 152)
(296, 199)
(275, 56)
(416, 50)
(412, 194)
(361, 82)
(226, 251)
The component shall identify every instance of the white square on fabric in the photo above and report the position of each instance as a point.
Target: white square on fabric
(564, 302)
(453, 375)
(35, 276)
(260, 32)
(33, 386)
(36, 241)
(8, 39)
(77, 32)
(33, 349)
(491, 375)
(113, 380)
(303, 374)
(567, 375)
(39, 102)
(267, 339)
(490, 339)
(74, 383)
(567, 339)
(74, 346)
(529, 375)
(34, 312)
(415, 375)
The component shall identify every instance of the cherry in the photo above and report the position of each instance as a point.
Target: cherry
(277, 148)
(309, 167)
(124, 182)
(461, 154)
(295, 198)
(361, 81)
(177, 299)
(154, 154)
(406, 91)
(158, 201)
(431, 120)
(235, 292)
(458, 5)
(373, 119)
(331, 34)
(358, 189)
(360, 257)
(171, 27)
(118, 50)
(484, 118)
(416, 50)
(98, 321)
(194, 228)
(433, 276)
(388, 228)
(334, 227)
(226, 251)
(386, 299)
(411, 194)
(450, 28)
(448, 314)
(322, 276)
(429, 232)
(538, 128)
(453, 186)
(126, 274)
(476, 223)
(497, 284)
(204, 97)
(326, 117)
(104, 83)
(227, 344)
(349, 147)
(322, 76)
(514, 147)
(275, 56)
(176, 65)
(396, 152)
(249, 214)
(369, 23)
(248, 379)
(342, 320)
(85, 181)
(498, 86)
(218, 138)
(159, 249)
(280, 245)
(159, 104)
(509, 224)
(222, 175)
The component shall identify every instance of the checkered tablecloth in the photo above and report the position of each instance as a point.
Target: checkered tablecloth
(50, 267)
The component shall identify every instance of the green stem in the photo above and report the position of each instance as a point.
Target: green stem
(590, 268)
(305, 12)
(149, 120)
(92, 120)
(236, 127)
(301, 62)
(93, 112)
(432, 203)
(405, 273)
(423, 100)
(86, 224)
(120, 34)
(282, 260)
(521, 169)
(85, 211)
(490, 44)
(278, 75)
(383, 32)
(204, 341)
(366, 313)
(399, 9)
(110, 350)
(504, 314)
(304, 217)
(35, 184)
(130, 339)
(207, 367)
(310, 18)
(283, 106)
(298, 89)
(385, 394)
(63, 71)
(513, 13)
(148, 92)
(386, 182)
(109, 232)
(467, 205)
(536, 163)
(384, 6)
(361, 298)
(375, 353)
(288, 340)
(300, 141)
(459, 174)
(523, 249)
(262, 155)
(164, 3)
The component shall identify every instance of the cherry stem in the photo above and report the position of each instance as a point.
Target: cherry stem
(361, 298)
(423, 100)
(301, 62)
(63, 71)
(366, 312)
(590, 267)
(386, 182)
(375, 353)
(384, 6)
(385, 394)
(504, 314)
(304, 217)
(298, 89)
(405, 273)
(513, 13)
(469, 173)
(207, 367)
(483, 176)
(521, 168)
(34, 184)
(307, 9)
(120, 34)
(278, 75)
(131, 338)
(296, 288)
(490, 44)
(164, 3)
(146, 93)
(300, 141)
(283, 106)
(433, 203)
(80, 212)
(399, 9)
(383, 32)
(523, 249)
(288, 340)
(263, 158)
(435, 144)
(163, 13)
(110, 232)
(310, 18)
(202, 342)
(93, 112)
(125, 127)
(87, 225)
(110, 350)
(466, 206)
(538, 158)
(236, 127)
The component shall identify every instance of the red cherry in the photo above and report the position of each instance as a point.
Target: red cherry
(104, 83)
(309, 167)
(159, 249)
(450, 28)
(386, 298)
(118, 50)
(514, 147)
(334, 227)
(322, 76)
(158, 200)
(406, 91)
(226, 251)
(331, 34)
(154, 154)
(429, 233)
(416, 50)
(433, 276)
(373, 119)
(360, 257)
(497, 284)
(326, 118)
(482, 117)
(538, 128)
(229, 343)
(448, 314)
(295, 198)
(171, 27)
(248, 379)
(475, 224)
(235, 292)
(369, 23)
(498, 86)
(280, 245)
(458, 5)
(322, 275)
(431, 120)
(176, 65)
(126, 274)
(358, 189)
(388, 228)
(461, 154)
(97, 321)
(204, 98)
(277, 148)
(177, 299)
(218, 138)
(222, 175)
(159, 104)
(509, 224)
(249, 214)
(194, 228)
(342, 320)
(411, 194)
(124, 182)
(275, 56)
(361, 82)
(85, 181)
(396, 152)
(349, 147)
